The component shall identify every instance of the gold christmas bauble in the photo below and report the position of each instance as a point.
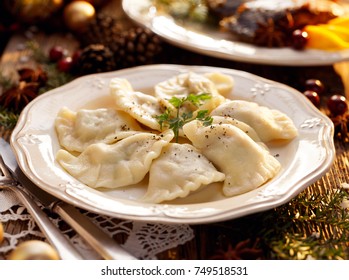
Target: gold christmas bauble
(34, 250)
(32, 11)
(1, 233)
(78, 14)
(96, 3)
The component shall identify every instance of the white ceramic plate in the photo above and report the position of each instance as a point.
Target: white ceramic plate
(210, 41)
(304, 159)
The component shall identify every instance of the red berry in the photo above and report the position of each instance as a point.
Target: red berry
(314, 85)
(313, 97)
(56, 53)
(76, 56)
(65, 64)
(299, 39)
(337, 104)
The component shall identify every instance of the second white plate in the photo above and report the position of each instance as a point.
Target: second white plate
(210, 41)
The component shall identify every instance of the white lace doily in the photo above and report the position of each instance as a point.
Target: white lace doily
(143, 240)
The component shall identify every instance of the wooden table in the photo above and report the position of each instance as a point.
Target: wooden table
(254, 236)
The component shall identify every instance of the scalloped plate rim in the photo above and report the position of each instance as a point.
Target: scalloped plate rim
(163, 212)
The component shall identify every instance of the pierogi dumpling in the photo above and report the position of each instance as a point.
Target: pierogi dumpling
(223, 83)
(270, 124)
(244, 127)
(115, 165)
(77, 130)
(184, 84)
(246, 164)
(179, 170)
(141, 106)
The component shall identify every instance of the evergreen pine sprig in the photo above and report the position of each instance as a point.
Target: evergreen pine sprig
(323, 213)
(177, 120)
(55, 77)
(5, 82)
(313, 225)
(37, 53)
(8, 119)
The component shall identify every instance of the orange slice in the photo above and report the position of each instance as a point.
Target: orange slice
(341, 21)
(324, 39)
(341, 31)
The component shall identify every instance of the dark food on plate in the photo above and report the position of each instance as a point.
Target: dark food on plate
(224, 8)
(270, 23)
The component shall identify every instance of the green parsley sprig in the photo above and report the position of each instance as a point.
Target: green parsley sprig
(177, 120)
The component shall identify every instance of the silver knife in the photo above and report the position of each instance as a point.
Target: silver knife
(100, 241)
(59, 241)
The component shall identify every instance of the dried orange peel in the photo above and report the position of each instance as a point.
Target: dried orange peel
(332, 36)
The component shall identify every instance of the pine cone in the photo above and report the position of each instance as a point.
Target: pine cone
(102, 30)
(95, 58)
(136, 46)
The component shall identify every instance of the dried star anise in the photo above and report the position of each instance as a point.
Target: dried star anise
(33, 76)
(269, 35)
(18, 96)
(243, 250)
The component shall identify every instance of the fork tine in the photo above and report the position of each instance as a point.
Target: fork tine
(7, 175)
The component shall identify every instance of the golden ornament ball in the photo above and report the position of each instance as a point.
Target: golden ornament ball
(32, 11)
(96, 3)
(78, 14)
(1, 233)
(34, 250)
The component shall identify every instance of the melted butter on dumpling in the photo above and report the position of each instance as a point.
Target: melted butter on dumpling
(246, 164)
(115, 165)
(77, 130)
(141, 106)
(184, 84)
(179, 170)
(270, 124)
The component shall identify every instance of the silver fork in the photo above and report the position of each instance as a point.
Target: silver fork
(63, 246)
